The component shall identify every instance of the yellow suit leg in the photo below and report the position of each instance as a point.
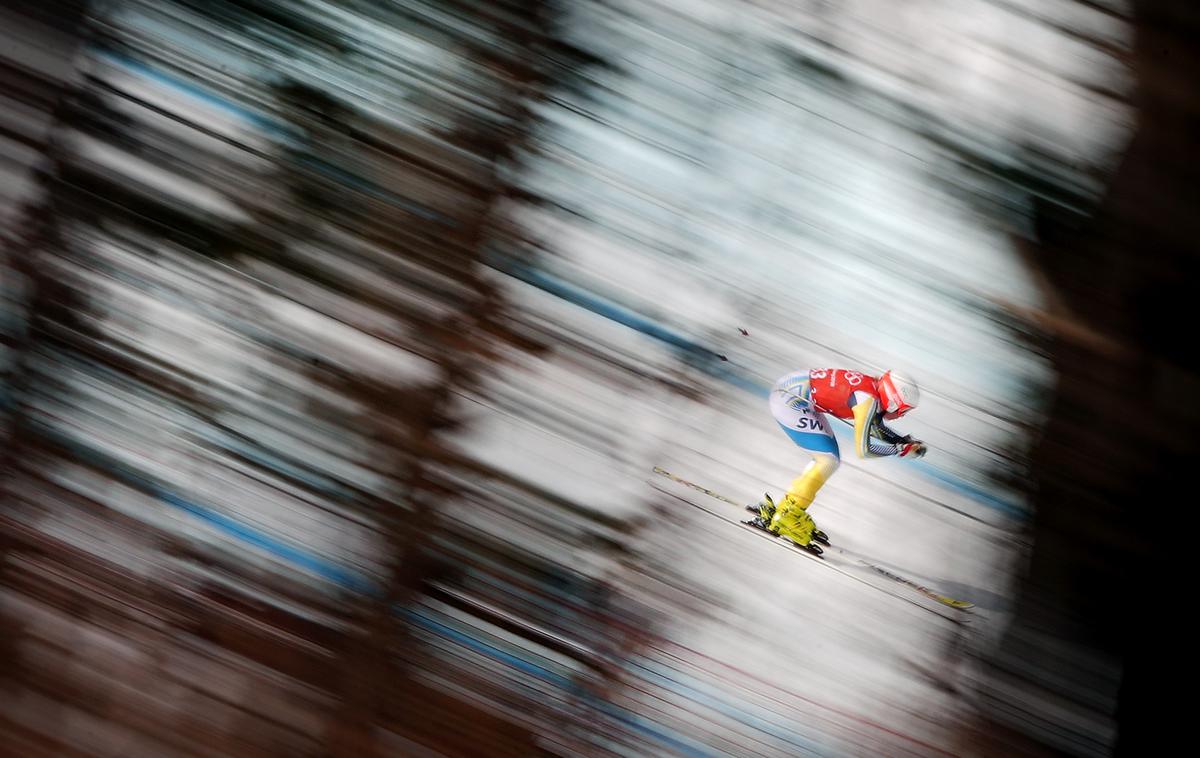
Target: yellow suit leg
(791, 518)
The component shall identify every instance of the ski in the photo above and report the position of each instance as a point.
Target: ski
(961, 605)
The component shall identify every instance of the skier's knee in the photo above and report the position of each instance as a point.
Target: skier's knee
(826, 465)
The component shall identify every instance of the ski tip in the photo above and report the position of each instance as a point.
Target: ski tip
(962, 605)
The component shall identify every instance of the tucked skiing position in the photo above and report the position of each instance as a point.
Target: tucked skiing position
(799, 402)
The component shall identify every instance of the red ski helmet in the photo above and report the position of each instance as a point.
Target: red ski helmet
(898, 394)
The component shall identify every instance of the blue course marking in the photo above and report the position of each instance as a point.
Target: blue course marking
(279, 129)
(194, 91)
(277, 547)
(678, 742)
(703, 693)
(228, 525)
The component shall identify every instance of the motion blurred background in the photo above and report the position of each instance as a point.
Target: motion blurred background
(341, 339)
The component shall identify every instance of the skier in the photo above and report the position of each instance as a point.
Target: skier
(799, 402)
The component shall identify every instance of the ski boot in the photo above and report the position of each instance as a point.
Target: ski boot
(764, 513)
(792, 522)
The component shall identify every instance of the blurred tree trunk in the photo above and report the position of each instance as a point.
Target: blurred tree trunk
(1111, 526)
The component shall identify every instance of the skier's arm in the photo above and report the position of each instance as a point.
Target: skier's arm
(874, 440)
(865, 408)
(880, 431)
